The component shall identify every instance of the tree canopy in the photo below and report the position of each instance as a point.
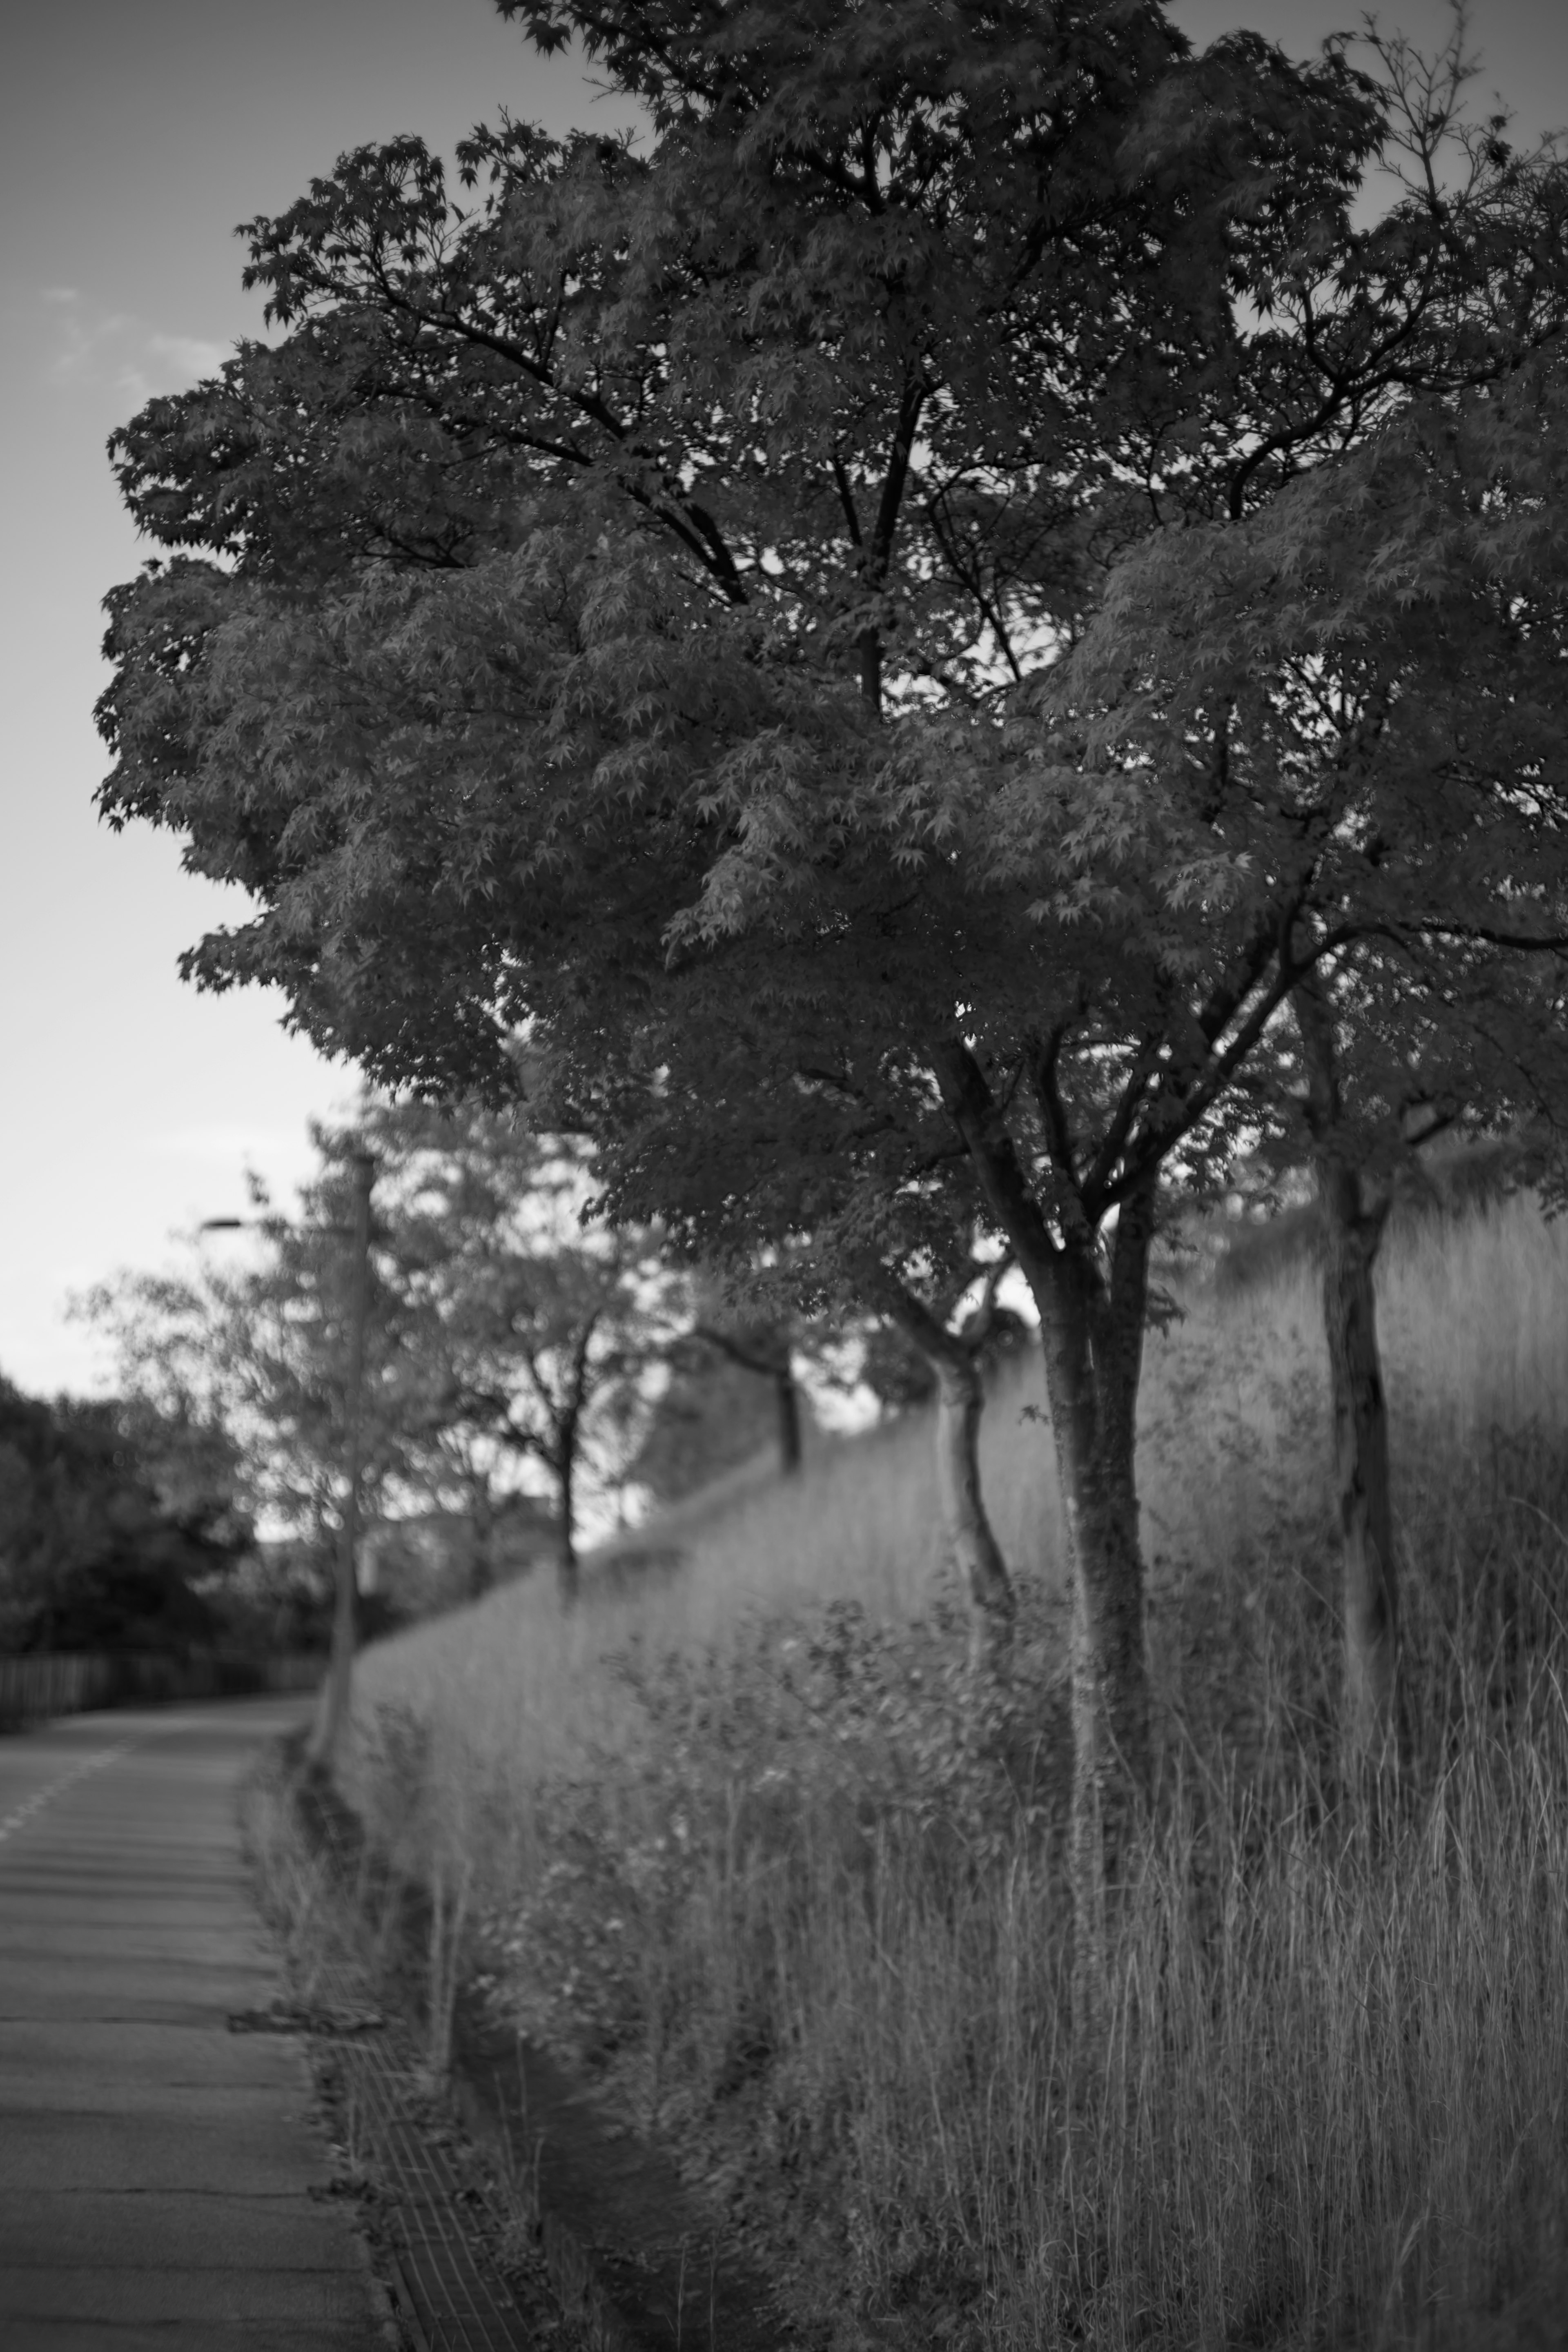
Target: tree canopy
(887, 622)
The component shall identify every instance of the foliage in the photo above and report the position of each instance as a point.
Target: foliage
(865, 372)
(836, 401)
(531, 1337)
(257, 1347)
(508, 1345)
(111, 1537)
(793, 448)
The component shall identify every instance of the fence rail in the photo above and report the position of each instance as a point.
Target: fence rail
(45, 1682)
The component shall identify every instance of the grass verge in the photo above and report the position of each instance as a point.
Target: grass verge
(441, 2221)
(752, 1854)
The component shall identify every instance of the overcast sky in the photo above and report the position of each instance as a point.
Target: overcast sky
(132, 139)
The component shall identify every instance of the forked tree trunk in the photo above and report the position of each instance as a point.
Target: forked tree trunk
(1354, 1217)
(1091, 1334)
(970, 1538)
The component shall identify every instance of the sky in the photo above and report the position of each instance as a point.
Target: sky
(132, 139)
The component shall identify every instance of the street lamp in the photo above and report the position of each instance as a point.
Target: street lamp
(337, 1690)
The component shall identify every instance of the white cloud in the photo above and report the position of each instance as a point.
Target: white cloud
(115, 349)
(189, 354)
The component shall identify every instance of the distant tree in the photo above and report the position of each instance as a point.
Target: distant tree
(92, 1555)
(765, 1346)
(710, 1415)
(532, 1337)
(255, 1349)
(508, 1342)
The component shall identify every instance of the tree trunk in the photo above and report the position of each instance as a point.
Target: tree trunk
(766, 1350)
(567, 1579)
(1097, 1473)
(786, 1390)
(971, 1540)
(1352, 1219)
(1370, 1599)
(1091, 1335)
(481, 1536)
(335, 1704)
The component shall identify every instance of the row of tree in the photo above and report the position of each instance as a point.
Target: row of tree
(528, 1370)
(965, 626)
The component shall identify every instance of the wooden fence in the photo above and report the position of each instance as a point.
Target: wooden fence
(43, 1684)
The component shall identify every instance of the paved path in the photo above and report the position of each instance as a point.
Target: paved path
(155, 2167)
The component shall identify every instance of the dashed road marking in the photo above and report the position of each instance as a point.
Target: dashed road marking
(20, 1815)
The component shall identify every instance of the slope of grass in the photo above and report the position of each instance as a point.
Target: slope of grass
(748, 1845)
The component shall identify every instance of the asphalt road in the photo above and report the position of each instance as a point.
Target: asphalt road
(155, 2167)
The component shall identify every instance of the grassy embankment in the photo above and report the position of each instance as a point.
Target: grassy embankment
(745, 1850)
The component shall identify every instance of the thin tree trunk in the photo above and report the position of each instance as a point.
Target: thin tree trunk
(567, 1578)
(335, 1704)
(481, 1532)
(1353, 1227)
(766, 1351)
(970, 1539)
(786, 1392)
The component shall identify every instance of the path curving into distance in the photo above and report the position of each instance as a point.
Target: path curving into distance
(156, 2169)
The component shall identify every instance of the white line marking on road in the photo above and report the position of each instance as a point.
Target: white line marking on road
(23, 1813)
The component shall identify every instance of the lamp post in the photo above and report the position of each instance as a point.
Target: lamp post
(337, 1689)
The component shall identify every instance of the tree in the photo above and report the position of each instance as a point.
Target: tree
(257, 1351)
(765, 1346)
(1381, 658)
(636, 607)
(529, 1336)
(1377, 1078)
(503, 1340)
(712, 1414)
(93, 1556)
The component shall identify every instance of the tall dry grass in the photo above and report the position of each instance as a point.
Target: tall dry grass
(745, 1842)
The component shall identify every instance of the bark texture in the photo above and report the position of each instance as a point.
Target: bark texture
(1092, 1426)
(1355, 1212)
